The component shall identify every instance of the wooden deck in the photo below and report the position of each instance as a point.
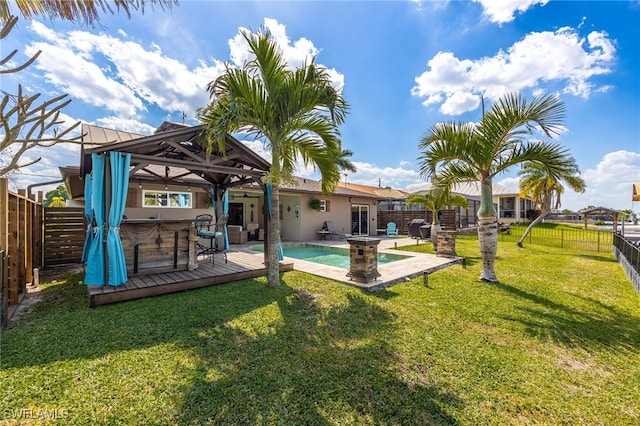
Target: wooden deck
(240, 266)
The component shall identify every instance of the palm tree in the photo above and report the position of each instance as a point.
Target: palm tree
(295, 112)
(58, 202)
(86, 11)
(463, 152)
(435, 200)
(545, 187)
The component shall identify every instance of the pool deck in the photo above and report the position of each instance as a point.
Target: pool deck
(245, 263)
(417, 265)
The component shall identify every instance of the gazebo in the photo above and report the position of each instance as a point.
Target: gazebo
(174, 155)
(601, 211)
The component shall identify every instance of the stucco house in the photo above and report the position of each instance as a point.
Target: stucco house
(159, 191)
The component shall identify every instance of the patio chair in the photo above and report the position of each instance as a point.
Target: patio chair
(392, 229)
(333, 232)
(203, 224)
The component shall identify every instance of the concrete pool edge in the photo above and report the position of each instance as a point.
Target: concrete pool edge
(416, 265)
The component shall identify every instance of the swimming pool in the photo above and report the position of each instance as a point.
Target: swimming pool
(332, 256)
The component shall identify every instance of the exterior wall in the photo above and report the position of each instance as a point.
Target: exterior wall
(298, 221)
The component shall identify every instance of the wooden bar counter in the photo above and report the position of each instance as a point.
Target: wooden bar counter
(153, 246)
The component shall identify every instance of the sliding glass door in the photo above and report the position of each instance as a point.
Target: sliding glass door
(359, 219)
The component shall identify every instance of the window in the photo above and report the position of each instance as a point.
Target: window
(324, 206)
(181, 200)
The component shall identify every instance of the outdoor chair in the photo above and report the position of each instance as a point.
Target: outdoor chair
(392, 229)
(333, 232)
(203, 224)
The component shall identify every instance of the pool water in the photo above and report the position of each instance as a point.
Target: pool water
(332, 256)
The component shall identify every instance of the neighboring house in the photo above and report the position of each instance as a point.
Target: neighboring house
(157, 191)
(509, 205)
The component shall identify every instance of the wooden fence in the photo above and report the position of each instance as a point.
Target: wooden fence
(402, 218)
(64, 232)
(21, 240)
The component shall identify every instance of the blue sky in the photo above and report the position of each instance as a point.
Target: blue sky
(403, 66)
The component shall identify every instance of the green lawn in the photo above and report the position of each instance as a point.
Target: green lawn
(557, 341)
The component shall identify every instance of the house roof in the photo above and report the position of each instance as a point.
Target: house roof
(174, 154)
(599, 210)
(471, 189)
(387, 193)
(310, 186)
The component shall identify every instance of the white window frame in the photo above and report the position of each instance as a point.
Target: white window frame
(167, 195)
(323, 205)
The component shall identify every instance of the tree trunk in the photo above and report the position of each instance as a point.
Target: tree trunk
(488, 239)
(536, 221)
(274, 238)
(435, 228)
(487, 232)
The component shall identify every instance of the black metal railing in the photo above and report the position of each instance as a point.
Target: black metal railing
(580, 239)
(628, 255)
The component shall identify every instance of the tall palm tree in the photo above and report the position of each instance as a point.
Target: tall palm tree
(545, 187)
(295, 112)
(462, 152)
(435, 200)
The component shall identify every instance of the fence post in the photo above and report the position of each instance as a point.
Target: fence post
(4, 306)
(562, 238)
(598, 241)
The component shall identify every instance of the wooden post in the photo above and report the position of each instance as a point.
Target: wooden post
(13, 252)
(26, 223)
(4, 238)
(38, 227)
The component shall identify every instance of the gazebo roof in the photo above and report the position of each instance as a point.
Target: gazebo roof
(599, 210)
(178, 156)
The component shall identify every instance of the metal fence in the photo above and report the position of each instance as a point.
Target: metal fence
(628, 256)
(580, 239)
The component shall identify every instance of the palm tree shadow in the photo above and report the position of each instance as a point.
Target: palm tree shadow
(335, 362)
(588, 325)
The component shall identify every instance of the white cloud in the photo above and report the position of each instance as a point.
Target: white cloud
(119, 75)
(371, 174)
(126, 125)
(295, 55)
(511, 183)
(501, 11)
(539, 59)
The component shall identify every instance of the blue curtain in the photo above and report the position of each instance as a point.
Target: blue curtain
(94, 272)
(225, 210)
(88, 214)
(280, 251)
(119, 186)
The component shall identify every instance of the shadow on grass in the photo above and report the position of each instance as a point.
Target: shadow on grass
(318, 367)
(317, 364)
(588, 325)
